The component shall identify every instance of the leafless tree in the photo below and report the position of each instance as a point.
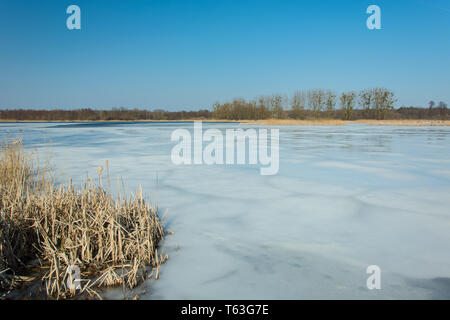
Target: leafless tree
(330, 102)
(431, 104)
(366, 98)
(277, 106)
(348, 104)
(298, 104)
(443, 110)
(316, 101)
(383, 101)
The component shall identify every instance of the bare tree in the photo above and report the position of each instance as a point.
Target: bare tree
(366, 98)
(316, 101)
(431, 104)
(383, 101)
(348, 104)
(330, 102)
(298, 104)
(442, 105)
(277, 106)
(263, 111)
(443, 110)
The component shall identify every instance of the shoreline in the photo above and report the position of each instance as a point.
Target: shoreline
(275, 122)
(140, 120)
(335, 122)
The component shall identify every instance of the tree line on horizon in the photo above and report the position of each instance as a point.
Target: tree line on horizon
(88, 114)
(376, 103)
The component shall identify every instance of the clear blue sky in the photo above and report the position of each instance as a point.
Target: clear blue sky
(191, 53)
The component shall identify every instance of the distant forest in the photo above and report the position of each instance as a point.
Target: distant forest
(377, 103)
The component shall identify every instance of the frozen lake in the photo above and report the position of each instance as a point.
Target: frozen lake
(344, 198)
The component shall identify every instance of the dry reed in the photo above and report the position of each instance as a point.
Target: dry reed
(112, 241)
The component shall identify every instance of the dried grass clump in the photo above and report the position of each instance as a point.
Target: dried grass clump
(89, 229)
(15, 167)
(16, 236)
(111, 241)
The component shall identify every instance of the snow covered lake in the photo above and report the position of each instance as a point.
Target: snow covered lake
(345, 197)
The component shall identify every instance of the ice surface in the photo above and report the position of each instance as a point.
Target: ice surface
(345, 197)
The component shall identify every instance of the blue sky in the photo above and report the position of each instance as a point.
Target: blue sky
(187, 54)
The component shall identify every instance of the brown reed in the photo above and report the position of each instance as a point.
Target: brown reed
(113, 241)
